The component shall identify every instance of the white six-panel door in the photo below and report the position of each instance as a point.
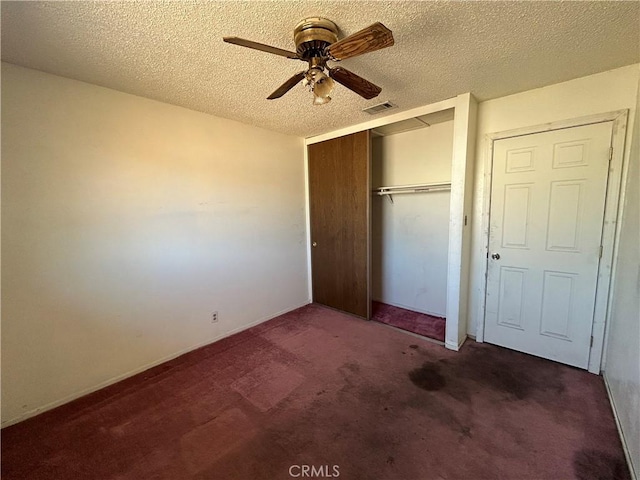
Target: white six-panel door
(547, 207)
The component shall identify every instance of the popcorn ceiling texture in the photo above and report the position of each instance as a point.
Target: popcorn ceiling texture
(173, 51)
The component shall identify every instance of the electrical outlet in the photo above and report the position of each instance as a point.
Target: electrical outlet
(214, 317)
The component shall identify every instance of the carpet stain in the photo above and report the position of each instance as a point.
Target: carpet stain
(391, 460)
(595, 464)
(352, 367)
(515, 378)
(415, 347)
(509, 382)
(511, 377)
(428, 377)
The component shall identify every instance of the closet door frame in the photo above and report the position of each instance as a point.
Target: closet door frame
(464, 129)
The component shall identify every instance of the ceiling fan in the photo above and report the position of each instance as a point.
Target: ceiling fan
(317, 42)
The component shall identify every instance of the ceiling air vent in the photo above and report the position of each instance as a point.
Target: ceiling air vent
(381, 107)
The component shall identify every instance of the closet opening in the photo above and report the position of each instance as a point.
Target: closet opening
(411, 164)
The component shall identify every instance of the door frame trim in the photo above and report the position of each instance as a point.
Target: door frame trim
(610, 229)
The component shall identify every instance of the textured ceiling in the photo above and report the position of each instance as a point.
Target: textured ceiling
(173, 51)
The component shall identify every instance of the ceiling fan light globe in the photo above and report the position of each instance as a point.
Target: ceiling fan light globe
(324, 87)
(321, 100)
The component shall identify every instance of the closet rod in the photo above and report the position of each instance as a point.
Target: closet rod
(417, 188)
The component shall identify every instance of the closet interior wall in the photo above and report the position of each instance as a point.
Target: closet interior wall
(410, 234)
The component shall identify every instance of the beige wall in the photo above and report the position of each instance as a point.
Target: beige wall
(126, 223)
(622, 370)
(410, 238)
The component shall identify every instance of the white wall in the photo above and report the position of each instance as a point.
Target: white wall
(622, 371)
(599, 93)
(410, 237)
(126, 222)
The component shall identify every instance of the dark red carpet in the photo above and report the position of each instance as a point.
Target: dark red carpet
(321, 389)
(420, 323)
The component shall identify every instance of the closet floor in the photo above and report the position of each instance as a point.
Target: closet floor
(415, 322)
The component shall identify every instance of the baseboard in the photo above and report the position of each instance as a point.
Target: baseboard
(455, 346)
(116, 379)
(407, 332)
(407, 307)
(625, 448)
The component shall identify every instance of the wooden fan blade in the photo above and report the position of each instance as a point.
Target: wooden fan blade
(369, 39)
(286, 86)
(353, 82)
(262, 47)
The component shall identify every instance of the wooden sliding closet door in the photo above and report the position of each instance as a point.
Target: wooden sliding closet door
(339, 198)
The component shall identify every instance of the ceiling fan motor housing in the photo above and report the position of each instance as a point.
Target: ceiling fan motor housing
(313, 35)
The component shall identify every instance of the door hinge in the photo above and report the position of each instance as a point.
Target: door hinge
(465, 220)
(600, 254)
(591, 343)
(610, 154)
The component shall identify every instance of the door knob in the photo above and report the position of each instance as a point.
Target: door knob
(495, 256)
(314, 244)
